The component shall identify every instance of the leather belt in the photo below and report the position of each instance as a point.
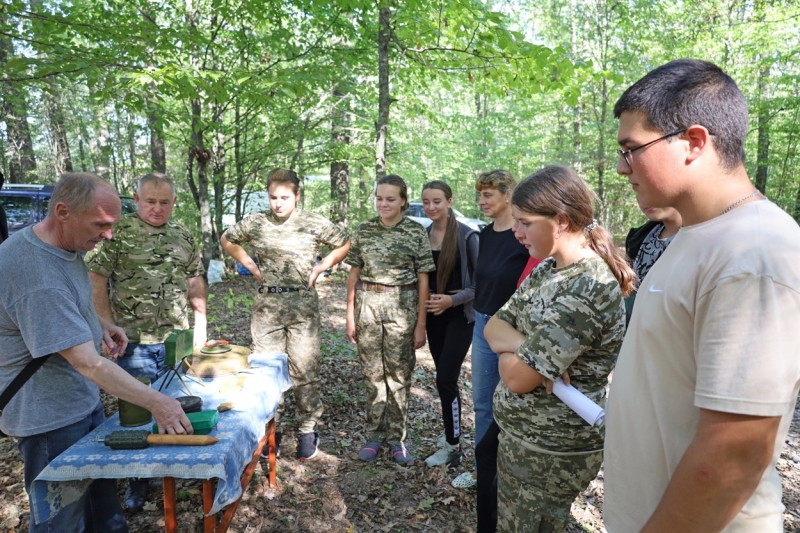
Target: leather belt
(379, 287)
(276, 290)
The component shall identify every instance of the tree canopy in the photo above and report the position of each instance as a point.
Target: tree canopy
(218, 92)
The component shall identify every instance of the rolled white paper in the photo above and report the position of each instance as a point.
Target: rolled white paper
(594, 415)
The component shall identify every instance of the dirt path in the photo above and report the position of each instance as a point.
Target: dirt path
(335, 492)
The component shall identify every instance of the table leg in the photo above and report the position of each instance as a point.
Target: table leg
(170, 520)
(246, 476)
(273, 454)
(209, 520)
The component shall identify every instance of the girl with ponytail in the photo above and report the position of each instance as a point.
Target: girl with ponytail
(568, 315)
(450, 316)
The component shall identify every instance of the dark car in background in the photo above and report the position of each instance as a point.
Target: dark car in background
(26, 204)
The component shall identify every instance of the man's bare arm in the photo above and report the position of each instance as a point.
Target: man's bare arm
(102, 305)
(717, 475)
(113, 379)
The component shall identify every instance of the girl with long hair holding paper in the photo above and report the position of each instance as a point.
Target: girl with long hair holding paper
(567, 315)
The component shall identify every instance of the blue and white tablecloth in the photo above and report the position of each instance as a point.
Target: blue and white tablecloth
(66, 478)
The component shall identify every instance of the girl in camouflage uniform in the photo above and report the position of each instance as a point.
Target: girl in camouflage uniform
(386, 294)
(286, 309)
(568, 314)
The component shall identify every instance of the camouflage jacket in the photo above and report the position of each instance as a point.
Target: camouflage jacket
(573, 319)
(148, 268)
(391, 255)
(286, 249)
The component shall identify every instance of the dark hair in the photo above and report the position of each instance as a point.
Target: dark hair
(686, 92)
(502, 180)
(449, 252)
(557, 190)
(156, 178)
(283, 176)
(76, 190)
(397, 181)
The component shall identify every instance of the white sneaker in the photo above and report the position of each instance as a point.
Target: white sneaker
(464, 481)
(449, 454)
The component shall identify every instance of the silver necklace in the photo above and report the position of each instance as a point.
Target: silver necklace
(737, 202)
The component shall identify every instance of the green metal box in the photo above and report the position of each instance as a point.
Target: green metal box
(202, 421)
(178, 346)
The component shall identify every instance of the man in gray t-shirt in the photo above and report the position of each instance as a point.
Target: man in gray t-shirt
(46, 308)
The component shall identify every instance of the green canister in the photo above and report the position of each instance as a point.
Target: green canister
(131, 415)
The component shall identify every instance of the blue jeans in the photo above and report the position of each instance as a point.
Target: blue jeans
(485, 377)
(98, 510)
(144, 360)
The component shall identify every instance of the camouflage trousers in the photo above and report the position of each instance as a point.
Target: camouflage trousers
(289, 323)
(385, 324)
(535, 490)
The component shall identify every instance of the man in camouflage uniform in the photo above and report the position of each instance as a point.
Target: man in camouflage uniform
(386, 262)
(152, 266)
(286, 308)
(572, 317)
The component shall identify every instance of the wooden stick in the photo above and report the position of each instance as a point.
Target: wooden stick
(182, 440)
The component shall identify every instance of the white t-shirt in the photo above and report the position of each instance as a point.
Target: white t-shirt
(715, 326)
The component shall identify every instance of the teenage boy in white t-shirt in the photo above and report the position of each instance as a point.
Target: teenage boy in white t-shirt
(706, 382)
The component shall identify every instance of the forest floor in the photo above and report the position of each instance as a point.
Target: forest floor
(335, 492)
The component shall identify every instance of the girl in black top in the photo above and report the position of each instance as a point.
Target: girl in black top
(450, 315)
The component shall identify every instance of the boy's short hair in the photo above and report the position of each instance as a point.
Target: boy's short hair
(686, 92)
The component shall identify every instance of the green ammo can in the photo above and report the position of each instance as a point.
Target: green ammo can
(132, 415)
(178, 346)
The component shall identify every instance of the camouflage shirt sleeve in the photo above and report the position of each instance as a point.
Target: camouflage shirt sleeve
(242, 231)
(103, 258)
(354, 257)
(333, 234)
(571, 326)
(194, 267)
(562, 328)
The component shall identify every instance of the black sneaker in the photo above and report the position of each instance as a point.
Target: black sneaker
(136, 494)
(278, 438)
(307, 446)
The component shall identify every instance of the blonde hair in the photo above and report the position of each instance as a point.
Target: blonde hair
(502, 180)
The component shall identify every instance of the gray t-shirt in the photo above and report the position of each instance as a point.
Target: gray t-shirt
(45, 306)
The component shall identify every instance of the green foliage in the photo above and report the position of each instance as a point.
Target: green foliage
(474, 85)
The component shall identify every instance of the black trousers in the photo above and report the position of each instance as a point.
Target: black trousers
(449, 337)
(486, 459)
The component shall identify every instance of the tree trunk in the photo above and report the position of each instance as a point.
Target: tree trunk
(762, 158)
(382, 126)
(218, 158)
(238, 162)
(58, 132)
(19, 147)
(158, 150)
(340, 170)
(200, 190)
(131, 146)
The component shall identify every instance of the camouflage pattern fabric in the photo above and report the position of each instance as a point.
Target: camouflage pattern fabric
(390, 255)
(289, 323)
(148, 267)
(573, 318)
(535, 490)
(385, 324)
(286, 249)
